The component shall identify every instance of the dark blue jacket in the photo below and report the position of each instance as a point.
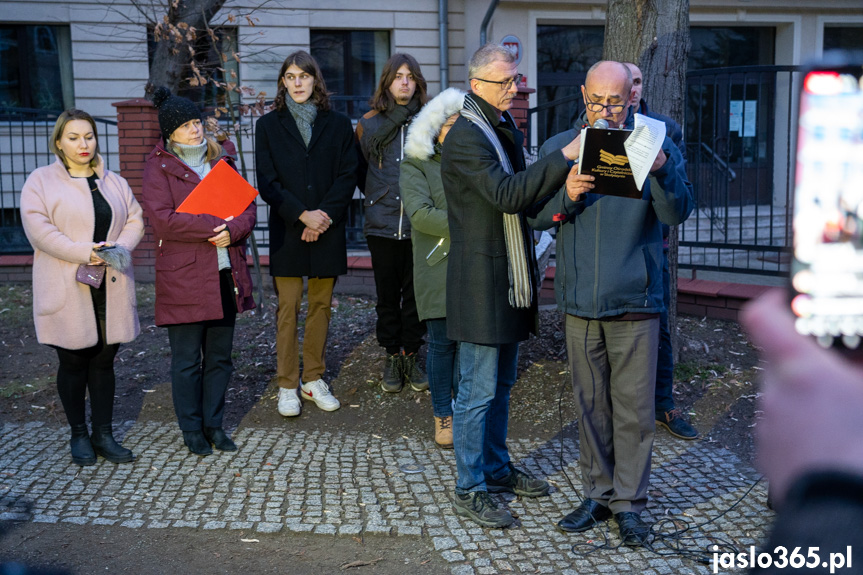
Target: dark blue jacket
(609, 249)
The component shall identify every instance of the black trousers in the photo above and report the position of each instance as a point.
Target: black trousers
(201, 364)
(90, 369)
(87, 369)
(398, 324)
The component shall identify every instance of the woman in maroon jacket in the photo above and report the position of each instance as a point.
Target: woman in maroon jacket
(202, 279)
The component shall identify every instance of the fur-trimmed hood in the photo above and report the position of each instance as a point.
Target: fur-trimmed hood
(427, 124)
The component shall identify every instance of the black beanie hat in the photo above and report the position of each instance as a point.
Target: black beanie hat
(174, 111)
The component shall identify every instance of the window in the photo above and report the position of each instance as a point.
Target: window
(719, 47)
(351, 62)
(843, 38)
(214, 59)
(563, 55)
(36, 67)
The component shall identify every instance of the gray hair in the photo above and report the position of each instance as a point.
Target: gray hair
(487, 55)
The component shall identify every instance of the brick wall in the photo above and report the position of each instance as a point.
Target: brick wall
(138, 131)
(520, 105)
(701, 298)
(16, 268)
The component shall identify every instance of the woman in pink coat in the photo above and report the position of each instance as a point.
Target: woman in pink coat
(75, 212)
(202, 279)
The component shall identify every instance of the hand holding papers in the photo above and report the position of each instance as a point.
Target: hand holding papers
(222, 193)
(620, 160)
(643, 145)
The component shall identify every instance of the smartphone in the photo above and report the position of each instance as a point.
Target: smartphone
(827, 263)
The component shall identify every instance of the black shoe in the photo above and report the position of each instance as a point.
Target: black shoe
(585, 516)
(219, 439)
(197, 443)
(518, 482)
(675, 424)
(105, 445)
(82, 449)
(393, 374)
(633, 531)
(479, 506)
(414, 376)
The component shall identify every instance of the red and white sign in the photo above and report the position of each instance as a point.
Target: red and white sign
(514, 44)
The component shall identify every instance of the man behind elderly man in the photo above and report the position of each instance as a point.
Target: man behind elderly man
(491, 277)
(609, 285)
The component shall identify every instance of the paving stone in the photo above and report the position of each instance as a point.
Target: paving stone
(75, 520)
(453, 556)
(269, 527)
(441, 543)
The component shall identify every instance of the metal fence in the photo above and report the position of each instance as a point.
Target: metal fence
(24, 136)
(739, 134)
(740, 144)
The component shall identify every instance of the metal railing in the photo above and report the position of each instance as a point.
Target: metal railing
(739, 130)
(740, 134)
(24, 135)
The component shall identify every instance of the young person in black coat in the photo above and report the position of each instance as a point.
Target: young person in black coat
(306, 163)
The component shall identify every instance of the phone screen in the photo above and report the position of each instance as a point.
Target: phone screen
(827, 267)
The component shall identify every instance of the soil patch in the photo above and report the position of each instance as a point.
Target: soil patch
(715, 378)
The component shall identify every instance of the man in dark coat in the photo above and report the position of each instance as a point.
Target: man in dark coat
(491, 277)
(667, 415)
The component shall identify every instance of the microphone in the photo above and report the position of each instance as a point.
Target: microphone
(600, 124)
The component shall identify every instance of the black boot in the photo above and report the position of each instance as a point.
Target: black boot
(197, 443)
(107, 447)
(82, 449)
(219, 439)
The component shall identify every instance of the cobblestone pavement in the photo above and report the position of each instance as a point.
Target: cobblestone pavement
(371, 485)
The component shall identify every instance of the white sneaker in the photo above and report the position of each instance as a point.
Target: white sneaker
(289, 403)
(319, 392)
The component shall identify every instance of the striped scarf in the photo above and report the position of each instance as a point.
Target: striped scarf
(520, 286)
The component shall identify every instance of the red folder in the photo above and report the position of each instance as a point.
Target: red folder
(222, 193)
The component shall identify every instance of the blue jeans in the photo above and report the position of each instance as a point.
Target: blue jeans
(486, 376)
(441, 367)
(665, 359)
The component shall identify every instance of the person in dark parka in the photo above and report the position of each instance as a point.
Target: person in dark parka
(306, 163)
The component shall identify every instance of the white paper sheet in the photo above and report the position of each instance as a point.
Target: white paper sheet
(643, 145)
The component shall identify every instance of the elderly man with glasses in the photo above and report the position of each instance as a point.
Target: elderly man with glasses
(491, 300)
(609, 285)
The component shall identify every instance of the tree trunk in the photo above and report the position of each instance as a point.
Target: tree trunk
(654, 35)
(173, 54)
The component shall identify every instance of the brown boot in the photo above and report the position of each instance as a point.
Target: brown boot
(443, 432)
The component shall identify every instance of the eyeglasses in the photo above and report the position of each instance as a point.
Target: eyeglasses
(504, 84)
(613, 109)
